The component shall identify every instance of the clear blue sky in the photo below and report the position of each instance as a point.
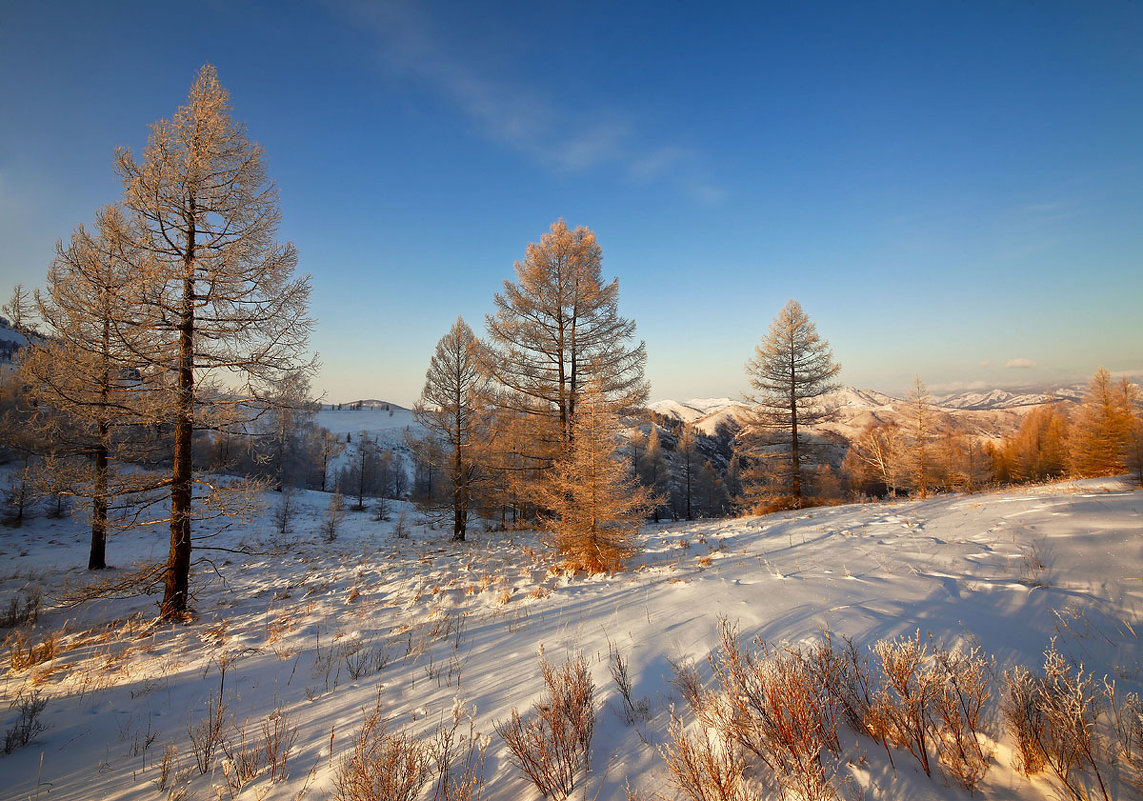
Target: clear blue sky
(948, 188)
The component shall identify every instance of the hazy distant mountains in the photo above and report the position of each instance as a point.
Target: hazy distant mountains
(985, 413)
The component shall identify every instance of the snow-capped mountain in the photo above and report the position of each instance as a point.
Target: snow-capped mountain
(986, 413)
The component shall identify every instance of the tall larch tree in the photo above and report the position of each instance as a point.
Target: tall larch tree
(232, 313)
(449, 409)
(791, 372)
(920, 432)
(687, 467)
(1102, 428)
(82, 376)
(558, 327)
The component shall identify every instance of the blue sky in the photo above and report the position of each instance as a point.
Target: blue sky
(950, 189)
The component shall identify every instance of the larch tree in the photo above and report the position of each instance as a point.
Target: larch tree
(791, 372)
(1039, 449)
(449, 409)
(232, 316)
(920, 432)
(556, 328)
(82, 376)
(1102, 428)
(654, 471)
(687, 464)
(595, 506)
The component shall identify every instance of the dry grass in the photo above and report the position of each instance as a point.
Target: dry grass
(24, 652)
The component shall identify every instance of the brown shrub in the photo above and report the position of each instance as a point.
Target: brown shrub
(553, 744)
(384, 765)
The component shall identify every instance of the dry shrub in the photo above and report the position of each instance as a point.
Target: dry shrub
(1024, 718)
(168, 769)
(23, 609)
(244, 761)
(772, 705)
(687, 681)
(1056, 720)
(553, 744)
(278, 738)
(384, 765)
(1127, 729)
(206, 733)
(960, 716)
(25, 729)
(903, 706)
(702, 769)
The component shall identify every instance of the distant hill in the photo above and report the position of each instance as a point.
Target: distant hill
(10, 340)
(988, 414)
(371, 403)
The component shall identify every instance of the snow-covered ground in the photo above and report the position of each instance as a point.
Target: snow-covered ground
(1008, 570)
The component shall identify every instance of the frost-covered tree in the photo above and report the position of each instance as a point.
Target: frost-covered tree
(595, 506)
(83, 376)
(920, 432)
(556, 328)
(232, 316)
(362, 475)
(791, 372)
(449, 409)
(875, 459)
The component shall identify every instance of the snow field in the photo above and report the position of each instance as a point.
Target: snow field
(322, 632)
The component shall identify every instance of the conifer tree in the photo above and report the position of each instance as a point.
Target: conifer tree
(83, 377)
(654, 472)
(595, 507)
(791, 372)
(710, 491)
(449, 409)
(920, 434)
(556, 329)
(1103, 426)
(687, 465)
(1039, 449)
(232, 317)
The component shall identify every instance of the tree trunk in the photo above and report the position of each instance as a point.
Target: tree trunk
(178, 561)
(97, 559)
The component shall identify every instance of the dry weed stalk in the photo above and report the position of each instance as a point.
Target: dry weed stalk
(633, 709)
(459, 759)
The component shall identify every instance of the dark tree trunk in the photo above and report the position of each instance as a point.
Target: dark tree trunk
(177, 582)
(97, 559)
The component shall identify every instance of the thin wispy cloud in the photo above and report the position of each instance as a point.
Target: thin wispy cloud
(1020, 364)
(521, 116)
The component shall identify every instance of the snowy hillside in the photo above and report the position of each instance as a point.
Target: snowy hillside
(989, 414)
(374, 420)
(312, 634)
